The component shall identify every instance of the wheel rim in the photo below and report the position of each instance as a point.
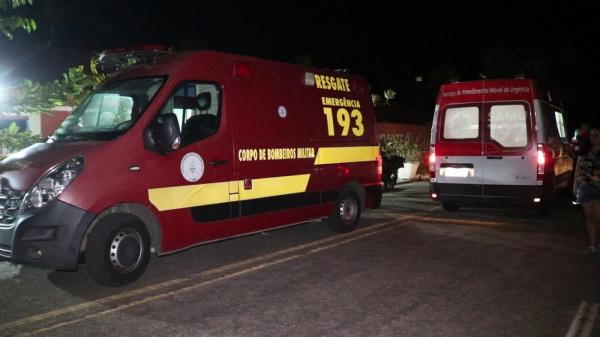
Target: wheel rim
(126, 250)
(348, 210)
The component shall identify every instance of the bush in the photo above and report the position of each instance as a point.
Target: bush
(405, 145)
(12, 140)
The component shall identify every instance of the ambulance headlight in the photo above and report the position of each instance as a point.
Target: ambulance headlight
(52, 184)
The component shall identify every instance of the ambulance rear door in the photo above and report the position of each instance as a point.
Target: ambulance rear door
(458, 150)
(510, 155)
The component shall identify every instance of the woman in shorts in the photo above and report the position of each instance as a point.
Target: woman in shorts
(587, 178)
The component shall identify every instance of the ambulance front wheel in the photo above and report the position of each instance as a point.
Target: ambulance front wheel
(346, 214)
(118, 250)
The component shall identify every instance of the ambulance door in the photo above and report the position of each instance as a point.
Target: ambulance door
(510, 157)
(203, 165)
(458, 151)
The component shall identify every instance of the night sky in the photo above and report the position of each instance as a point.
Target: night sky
(390, 43)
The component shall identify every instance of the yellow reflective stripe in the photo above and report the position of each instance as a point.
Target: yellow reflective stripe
(270, 187)
(233, 187)
(168, 198)
(348, 154)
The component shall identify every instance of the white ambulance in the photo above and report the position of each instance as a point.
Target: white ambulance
(497, 141)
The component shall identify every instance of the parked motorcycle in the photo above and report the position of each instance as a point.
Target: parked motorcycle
(391, 164)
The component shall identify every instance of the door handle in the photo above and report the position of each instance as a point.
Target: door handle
(494, 157)
(218, 162)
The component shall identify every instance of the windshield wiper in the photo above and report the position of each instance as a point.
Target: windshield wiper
(68, 138)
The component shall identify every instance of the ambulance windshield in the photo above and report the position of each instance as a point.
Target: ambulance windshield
(109, 111)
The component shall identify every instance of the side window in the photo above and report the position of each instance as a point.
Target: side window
(461, 123)
(560, 124)
(508, 125)
(197, 107)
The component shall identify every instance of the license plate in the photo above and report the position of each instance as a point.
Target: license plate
(459, 172)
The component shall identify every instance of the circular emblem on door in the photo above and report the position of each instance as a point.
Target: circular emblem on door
(192, 167)
(282, 111)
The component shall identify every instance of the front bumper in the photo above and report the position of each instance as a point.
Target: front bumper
(50, 237)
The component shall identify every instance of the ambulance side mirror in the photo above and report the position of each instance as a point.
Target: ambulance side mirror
(164, 136)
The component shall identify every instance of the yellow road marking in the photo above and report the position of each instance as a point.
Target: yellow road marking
(87, 305)
(131, 293)
(313, 247)
(169, 283)
(224, 277)
(473, 221)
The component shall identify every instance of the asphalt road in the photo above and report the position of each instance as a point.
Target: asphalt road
(411, 269)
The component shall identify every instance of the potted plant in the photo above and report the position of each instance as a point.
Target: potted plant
(411, 148)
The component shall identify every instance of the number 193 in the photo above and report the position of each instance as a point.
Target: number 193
(345, 120)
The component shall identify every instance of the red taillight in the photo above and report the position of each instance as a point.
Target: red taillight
(541, 156)
(379, 167)
(432, 161)
(541, 162)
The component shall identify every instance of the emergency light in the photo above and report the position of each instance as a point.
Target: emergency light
(113, 60)
(242, 69)
(309, 79)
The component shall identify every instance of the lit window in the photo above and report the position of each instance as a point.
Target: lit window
(461, 123)
(560, 124)
(508, 125)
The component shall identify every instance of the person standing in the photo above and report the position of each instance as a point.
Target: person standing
(587, 179)
(583, 139)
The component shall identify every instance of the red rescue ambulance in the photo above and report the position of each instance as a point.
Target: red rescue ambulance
(198, 147)
(497, 141)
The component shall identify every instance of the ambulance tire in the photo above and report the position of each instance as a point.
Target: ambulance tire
(118, 250)
(346, 214)
(451, 206)
(545, 207)
(548, 197)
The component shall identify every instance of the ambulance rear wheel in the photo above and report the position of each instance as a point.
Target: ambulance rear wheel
(346, 214)
(118, 250)
(451, 206)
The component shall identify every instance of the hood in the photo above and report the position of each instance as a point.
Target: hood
(21, 170)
